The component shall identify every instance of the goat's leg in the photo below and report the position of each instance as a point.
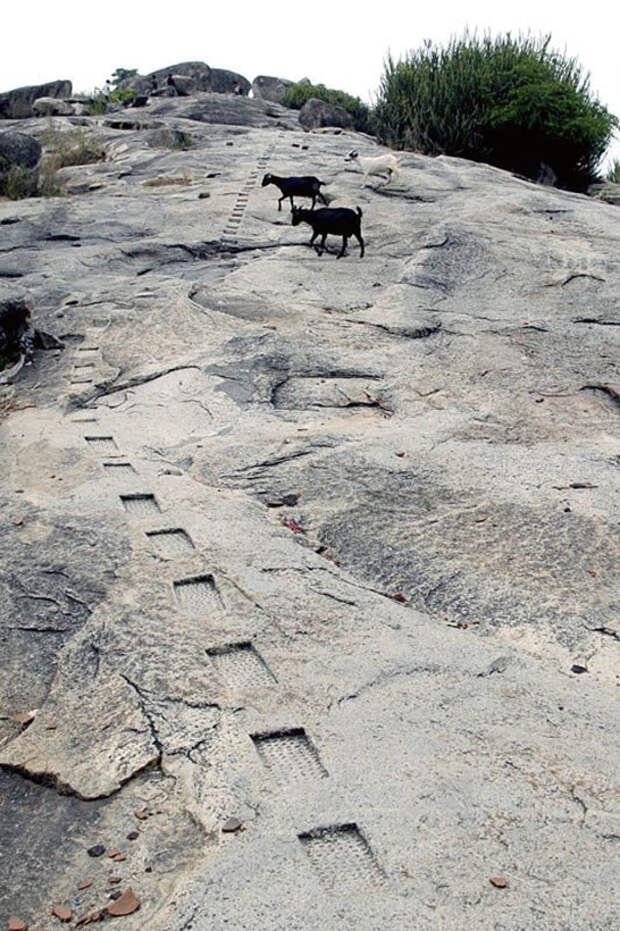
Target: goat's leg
(315, 233)
(280, 199)
(345, 240)
(321, 248)
(361, 242)
(313, 201)
(292, 204)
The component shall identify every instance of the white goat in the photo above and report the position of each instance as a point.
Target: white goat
(375, 165)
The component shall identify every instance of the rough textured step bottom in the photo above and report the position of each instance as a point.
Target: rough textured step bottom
(140, 505)
(101, 444)
(241, 666)
(170, 542)
(341, 857)
(198, 594)
(289, 755)
(119, 469)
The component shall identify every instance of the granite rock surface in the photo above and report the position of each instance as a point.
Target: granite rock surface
(309, 566)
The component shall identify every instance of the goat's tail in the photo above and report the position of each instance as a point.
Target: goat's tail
(359, 212)
(322, 183)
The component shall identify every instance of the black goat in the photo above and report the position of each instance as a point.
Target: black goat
(296, 187)
(335, 221)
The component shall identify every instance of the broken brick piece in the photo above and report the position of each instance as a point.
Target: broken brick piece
(119, 858)
(399, 597)
(16, 924)
(86, 884)
(89, 919)
(126, 905)
(112, 853)
(499, 882)
(113, 880)
(23, 718)
(62, 913)
(141, 814)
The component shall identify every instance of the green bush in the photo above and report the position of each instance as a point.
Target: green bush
(298, 94)
(102, 100)
(75, 148)
(512, 102)
(17, 182)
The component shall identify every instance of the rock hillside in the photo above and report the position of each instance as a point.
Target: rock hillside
(309, 566)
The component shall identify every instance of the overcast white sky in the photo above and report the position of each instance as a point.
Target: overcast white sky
(341, 44)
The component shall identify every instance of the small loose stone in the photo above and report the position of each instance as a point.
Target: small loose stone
(97, 851)
(16, 924)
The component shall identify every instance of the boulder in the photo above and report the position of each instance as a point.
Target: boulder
(17, 104)
(225, 109)
(607, 191)
(196, 76)
(52, 106)
(265, 87)
(316, 113)
(229, 82)
(21, 151)
(190, 77)
(184, 84)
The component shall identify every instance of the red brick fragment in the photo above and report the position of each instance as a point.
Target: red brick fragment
(126, 905)
(62, 913)
(16, 924)
(22, 718)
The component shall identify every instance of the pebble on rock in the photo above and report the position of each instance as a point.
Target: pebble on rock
(16, 924)
(97, 851)
(126, 904)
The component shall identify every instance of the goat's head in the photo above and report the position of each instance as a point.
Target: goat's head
(297, 215)
(351, 156)
(266, 180)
